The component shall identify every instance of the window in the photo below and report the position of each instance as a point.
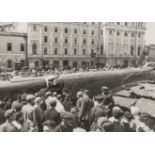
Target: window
(118, 33)
(92, 32)
(36, 64)
(84, 31)
(92, 51)
(22, 47)
(75, 40)
(9, 47)
(101, 32)
(126, 34)
(118, 23)
(66, 51)
(75, 31)
(92, 42)
(22, 63)
(45, 51)
(93, 23)
(132, 34)
(110, 32)
(9, 64)
(75, 51)
(55, 29)
(126, 24)
(66, 30)
(101, 49)
(84, 51)
(139, 50)
(132, 50)
(55, 51)
(34, 27)
(45, 39)
(139, 35)
(34, 48)
(56, 40)
(84, 41)
(66, 40)
(45, 29)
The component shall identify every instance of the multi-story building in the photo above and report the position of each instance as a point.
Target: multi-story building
(80, 44)
(12, 49)
(123, 42)
(62, 44)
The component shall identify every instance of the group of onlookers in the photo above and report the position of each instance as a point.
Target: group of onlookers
(54, 112)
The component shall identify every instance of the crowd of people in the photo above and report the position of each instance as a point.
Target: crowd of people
(47, 111)
(36, 72)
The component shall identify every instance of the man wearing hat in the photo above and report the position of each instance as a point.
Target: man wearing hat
(108, 99)
(28, 109)
(85, 106)
(38, 113)
(116, 119)
(51, 113)
(9, 126)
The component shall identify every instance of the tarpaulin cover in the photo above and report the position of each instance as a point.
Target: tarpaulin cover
(147, 106)
(124, 102)
(114, 79)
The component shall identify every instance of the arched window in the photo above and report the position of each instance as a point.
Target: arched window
(118, 33)
(34, 48)
(9, 64)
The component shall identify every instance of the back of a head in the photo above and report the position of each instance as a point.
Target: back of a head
(87, 92)
(55, 94)
(53, 103)
(79, 94)
(59, 96)
(107, 126)
(117, 112)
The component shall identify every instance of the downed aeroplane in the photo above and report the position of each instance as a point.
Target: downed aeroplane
(114, 79)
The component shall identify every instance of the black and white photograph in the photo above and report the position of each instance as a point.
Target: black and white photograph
(77, 77)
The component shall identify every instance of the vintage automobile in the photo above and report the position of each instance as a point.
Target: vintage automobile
(114, 79)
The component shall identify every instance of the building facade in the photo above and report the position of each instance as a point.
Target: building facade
(150, 51)
(12, 49)
(62, 44)
(76, 43)
(123, 42)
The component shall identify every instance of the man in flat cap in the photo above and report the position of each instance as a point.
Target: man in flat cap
(28, 109)
(108, 100)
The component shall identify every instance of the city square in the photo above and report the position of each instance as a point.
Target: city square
(76, 77)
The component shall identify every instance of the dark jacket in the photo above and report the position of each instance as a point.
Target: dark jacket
(53, 115)
(2, 118)
(38, 117)
(85, 107)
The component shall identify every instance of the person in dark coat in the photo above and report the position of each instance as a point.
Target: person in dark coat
(85, 107)
(108, 99)
(2, 112)
(67, 102)
(38, 114)
(52, 114)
